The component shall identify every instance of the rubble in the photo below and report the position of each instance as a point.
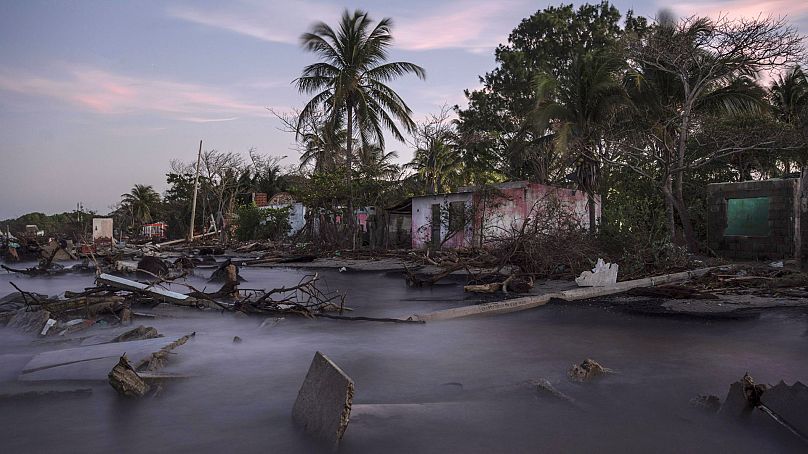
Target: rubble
(29, 321)
(602, 274)
(125, 380)
(587, 371)
(323, 405)
(139, 333)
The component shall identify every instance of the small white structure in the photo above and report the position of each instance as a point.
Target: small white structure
(602, 274)
(102, 230)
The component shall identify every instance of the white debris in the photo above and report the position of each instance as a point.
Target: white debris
(602, 274)
(48, 325)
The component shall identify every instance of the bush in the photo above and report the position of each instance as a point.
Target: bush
(256, 223)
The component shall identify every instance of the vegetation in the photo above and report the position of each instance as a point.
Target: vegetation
(641, 112)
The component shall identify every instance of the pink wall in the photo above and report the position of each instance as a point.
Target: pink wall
(499, 216)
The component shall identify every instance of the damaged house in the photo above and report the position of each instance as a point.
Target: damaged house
(470, 216)
(756, 219)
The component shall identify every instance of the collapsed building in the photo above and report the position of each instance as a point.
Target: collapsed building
(757, 219)
(471, 216)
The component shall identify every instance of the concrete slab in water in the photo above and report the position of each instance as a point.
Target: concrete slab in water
(323, 405)
(91, 362)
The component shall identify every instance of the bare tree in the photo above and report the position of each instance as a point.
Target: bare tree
(714, 64)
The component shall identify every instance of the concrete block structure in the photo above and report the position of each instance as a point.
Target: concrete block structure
(469, 216)
(757, 220)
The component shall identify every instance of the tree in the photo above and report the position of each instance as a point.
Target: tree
(437, 161)
(714, 63)
(548, 42)
(350, 83)
(142, 202)
(573, 111)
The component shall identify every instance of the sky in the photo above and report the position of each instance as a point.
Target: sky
(97, 96)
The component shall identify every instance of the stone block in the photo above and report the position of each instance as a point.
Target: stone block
(323, 405)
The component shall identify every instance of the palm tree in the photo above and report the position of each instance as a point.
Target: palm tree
(142, 202)
(324, 148)
(573, 110)
(376, 164)
(789, 99)
(349, 83)
(437, 165)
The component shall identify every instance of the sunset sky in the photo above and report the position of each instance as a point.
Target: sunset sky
(96, 96)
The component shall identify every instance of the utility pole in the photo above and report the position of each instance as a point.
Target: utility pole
(196, 187)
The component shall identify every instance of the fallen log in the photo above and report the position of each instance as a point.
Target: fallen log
(529, 302)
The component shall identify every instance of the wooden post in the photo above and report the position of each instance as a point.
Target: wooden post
(196, 188)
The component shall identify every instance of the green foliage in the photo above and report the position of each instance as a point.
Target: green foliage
(548, 42)
(256, 223)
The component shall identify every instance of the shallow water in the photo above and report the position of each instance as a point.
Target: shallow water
(239, 397)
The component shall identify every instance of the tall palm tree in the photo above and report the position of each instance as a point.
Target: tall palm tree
(142, 202)
(350, 81)
(572, 111)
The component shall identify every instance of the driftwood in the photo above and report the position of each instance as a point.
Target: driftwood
(126, 381)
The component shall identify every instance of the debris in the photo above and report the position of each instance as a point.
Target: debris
(126, 316)
(236, 340)
(777, 264)
(742, 398)
(529, 302)
(137, 287)
(323, 405)
(126, 381)
(483, 288)
(153, 265)
(95, 361)
(602, 274)
(139, 333)
(788, 403)
(48, 325)
(29, 321)
(226, 274)
(270, 321)
(587, 371)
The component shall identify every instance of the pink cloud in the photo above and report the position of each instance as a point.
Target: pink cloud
(456, 24)
(742, 8)
(104, 92)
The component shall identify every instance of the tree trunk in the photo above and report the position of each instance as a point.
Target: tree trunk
(684, 218)
(349, 179)
(670, 220)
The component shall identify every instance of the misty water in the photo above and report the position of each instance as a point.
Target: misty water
(239, 396)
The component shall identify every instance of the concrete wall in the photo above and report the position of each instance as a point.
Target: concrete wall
(783, 239)
(496, 215)
(102, 229)
(297, 216)
(422, 220)
(520, 200)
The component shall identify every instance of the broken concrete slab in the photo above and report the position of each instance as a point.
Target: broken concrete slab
(743, 396)
(29, 321)
(602, 274)
(94, 362)
(789, 403)
(323, 405)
